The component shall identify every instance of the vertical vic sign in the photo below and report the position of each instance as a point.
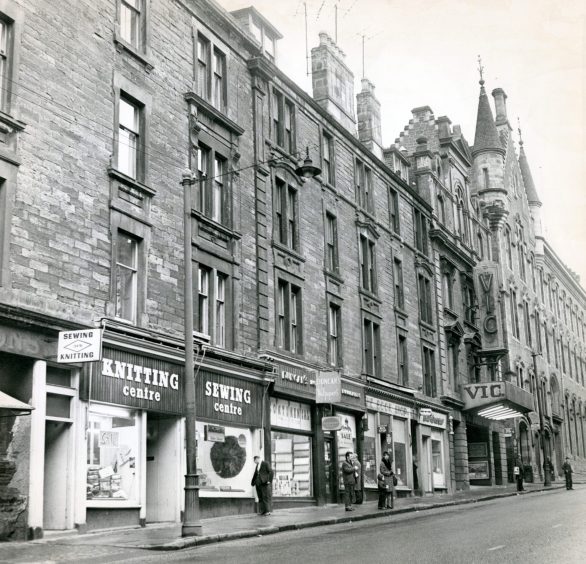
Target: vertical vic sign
(487, 287)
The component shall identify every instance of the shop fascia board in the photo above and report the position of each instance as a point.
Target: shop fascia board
(482, 395)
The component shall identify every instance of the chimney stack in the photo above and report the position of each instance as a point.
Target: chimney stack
(500, 103)
(333, 82)
(369, 121)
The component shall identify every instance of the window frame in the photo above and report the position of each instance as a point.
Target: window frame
(286, 214)
(398, 284)
(394, 211)
(335, 357)
(289, 316)
(135, 268)
(328, 158)
(331, 243)
(367, 256)
(403, 359)
(283, 128)
(429, 371)
(420, 232)
(425, 298)
(371, 346)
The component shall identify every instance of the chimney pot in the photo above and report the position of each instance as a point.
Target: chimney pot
(500, 103)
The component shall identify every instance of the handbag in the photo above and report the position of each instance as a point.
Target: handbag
(395, 480)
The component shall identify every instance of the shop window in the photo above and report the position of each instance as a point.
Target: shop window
(346, 442)
(113, 442)
(291, 461)
(400, 451)
(370, 466)
(225, 461)
(437, 460)
(58, 406)
(126, 276)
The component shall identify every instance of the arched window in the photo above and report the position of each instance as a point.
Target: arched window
(460, 224)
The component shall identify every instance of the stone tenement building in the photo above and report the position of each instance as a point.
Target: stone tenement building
(417, 274)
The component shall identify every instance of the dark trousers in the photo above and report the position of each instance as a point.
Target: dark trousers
(385, 499)
(348, 494)
(520, 483)
(264, 498)
(569, 484)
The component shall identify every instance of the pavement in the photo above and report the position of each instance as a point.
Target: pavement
(167, 537)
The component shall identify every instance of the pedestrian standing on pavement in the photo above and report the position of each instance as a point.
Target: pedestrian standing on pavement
(262, 480)
(350, 476)
(386, 469)
(518, 472)
(548, 467)
(567, 468)
(358, 492)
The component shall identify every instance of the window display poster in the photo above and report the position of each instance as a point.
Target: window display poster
(290, 414)
(112, 449)
(437, 461)
(291, 462)
(400, 451)
(369, 453)
(225, 468)
(478, 470)
(346, 441)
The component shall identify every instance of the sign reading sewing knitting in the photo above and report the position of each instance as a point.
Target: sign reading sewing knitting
(486, 282)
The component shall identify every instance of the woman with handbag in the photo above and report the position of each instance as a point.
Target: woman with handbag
(386, 471)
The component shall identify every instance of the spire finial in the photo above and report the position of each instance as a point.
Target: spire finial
(481, 71)
(519, 130)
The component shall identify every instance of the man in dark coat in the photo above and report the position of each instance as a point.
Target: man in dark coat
(567, 468)
(262, 480)
(350, 472)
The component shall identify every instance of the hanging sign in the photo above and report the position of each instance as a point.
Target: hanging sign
(328, 387)
(83, 345)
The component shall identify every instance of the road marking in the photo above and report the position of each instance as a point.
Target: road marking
(556, 526)
(497, 547)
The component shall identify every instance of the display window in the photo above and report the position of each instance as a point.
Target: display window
(225, 460)
(346, 441)
(291, 461)
(113, 446)
(400, 451)
(437, 460)
(369, 453)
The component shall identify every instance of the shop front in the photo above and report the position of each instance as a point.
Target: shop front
(389, 430)
(230, 417)
(133, 406)
(306, 458)
(434, 459)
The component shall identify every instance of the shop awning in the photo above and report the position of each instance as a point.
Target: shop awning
(497, 400)
(10, 404)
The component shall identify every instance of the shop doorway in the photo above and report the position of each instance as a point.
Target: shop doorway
(57, 501)
(426, 465)
(163, 475)
(497, 455)
(330, 470)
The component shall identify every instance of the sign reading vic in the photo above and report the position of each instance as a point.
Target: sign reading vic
(133, 380)
(487, 284)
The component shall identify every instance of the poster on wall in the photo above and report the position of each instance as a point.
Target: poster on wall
(346, 441)
(478, 470)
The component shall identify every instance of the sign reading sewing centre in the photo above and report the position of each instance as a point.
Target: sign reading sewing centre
(134, 380)
(220, 397)
(83, 345)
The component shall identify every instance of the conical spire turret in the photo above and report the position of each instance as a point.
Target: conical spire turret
(530, 189)
(487, 136)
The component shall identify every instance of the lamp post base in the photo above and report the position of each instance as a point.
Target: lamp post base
(191, 526)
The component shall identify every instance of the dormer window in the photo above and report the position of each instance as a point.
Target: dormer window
(260, 28)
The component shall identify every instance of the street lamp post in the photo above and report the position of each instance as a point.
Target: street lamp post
(544, 445)
(191, 516)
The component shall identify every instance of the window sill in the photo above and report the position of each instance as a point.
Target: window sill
(122, 45)
(400, 311)
(335, 275)
(293, 157)
(13, 123)
(370, 295)
(217, 115)
(426, 325)
(288, 251)
(215, 225)
(128, 181)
